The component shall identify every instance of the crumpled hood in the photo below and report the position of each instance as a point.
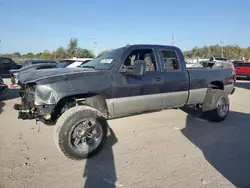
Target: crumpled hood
(37, 75)
(29, 67)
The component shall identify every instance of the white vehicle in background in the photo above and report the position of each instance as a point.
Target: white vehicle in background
(218, 59)
(193, 65)
(73, 63)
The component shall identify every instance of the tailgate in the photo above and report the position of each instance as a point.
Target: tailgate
(243, 68)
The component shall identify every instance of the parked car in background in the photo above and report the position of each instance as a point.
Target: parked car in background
(67, 63)
(14, 73)
(6, 64)
(3, 87)
(72, 63)
(217, 59)
(242, 69)
(194, 65)
(37, 61)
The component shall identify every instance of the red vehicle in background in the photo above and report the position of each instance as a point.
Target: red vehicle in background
(242, 69)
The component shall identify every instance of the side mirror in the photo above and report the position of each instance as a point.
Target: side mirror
(138, 69)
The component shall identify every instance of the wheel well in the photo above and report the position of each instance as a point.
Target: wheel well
(93, 100)
(217, 85)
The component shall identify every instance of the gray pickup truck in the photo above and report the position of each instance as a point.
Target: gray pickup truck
(127, 80)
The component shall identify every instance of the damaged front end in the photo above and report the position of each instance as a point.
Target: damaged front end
(28, 109)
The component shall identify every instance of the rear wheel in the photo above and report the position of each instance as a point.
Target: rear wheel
(80, 132)
(216, 105)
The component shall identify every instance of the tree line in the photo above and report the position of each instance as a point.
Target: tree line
(228, 51)
(72, 50)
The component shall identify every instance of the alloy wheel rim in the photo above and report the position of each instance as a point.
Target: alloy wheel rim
(222, 106)
(86, 135)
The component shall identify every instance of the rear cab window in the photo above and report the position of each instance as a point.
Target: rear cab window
(170, 60)
(241, 64)
(245, 64)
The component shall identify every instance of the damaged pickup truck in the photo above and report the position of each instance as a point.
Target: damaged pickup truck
(125, 81)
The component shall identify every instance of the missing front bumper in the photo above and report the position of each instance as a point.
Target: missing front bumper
(26, 115)
(37, 112)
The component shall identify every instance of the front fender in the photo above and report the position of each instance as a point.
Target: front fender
(50, 94)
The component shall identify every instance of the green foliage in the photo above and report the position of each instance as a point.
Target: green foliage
(60, 53)
(17, 55)
(103, 53)
(84, 53)
(229, 51)
(73, 50)
(46, 55)
(30, 55)
(72, 47)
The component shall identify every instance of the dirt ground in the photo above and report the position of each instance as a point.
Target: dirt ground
(168, 148)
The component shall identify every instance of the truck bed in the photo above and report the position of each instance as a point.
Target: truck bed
(202, 78)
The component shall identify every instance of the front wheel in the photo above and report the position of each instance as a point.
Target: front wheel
(80, 132)
(216, 105)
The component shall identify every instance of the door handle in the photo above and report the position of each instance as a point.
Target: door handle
(158, 79)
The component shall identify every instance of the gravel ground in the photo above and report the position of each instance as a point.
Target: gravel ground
(168, 148)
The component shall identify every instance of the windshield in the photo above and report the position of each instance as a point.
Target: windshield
(64, 64)
(104, 62)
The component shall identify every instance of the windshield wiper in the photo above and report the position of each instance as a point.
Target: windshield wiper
(85, 66)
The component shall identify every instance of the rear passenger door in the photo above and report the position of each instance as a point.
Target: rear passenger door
(176, 80)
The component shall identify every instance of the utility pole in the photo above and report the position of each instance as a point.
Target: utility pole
(173, 39)
(221, 43)
(95, 47)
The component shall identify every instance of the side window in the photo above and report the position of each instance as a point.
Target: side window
(170, 58)
(6, 61)
(143, 54)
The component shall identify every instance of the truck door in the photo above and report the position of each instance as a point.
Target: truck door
(141, 93)
(176, 81)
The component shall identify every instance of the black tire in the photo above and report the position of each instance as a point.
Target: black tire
(210, 106)
(67, 123)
